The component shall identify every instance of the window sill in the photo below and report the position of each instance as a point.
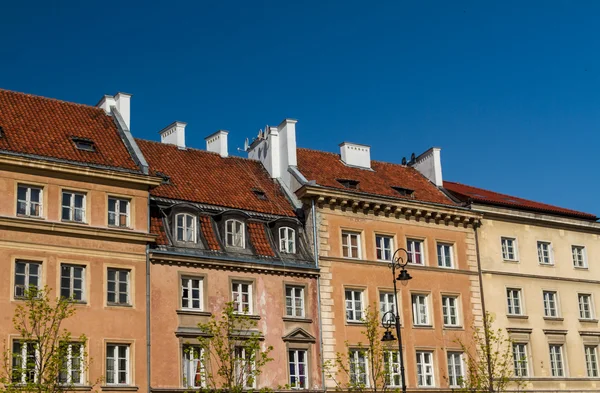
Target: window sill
(449, 327)
(120, 388)
(249, 316)
(594, 321)
(118, 305)
(119, 227)
(355, 323)
(79, 387)
(557, 319)
(581, 268)
(511, 316)
(74, 222)
(511, 260)
(422, 326)
(200, 313)
(32, 217)
(297, 319)
(546, 264)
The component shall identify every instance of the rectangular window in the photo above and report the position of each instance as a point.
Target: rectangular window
(387, 305)
(118, 286)
(384, 246)
(556, 360)
(509, 249)
(455, 369)
(354, 305)
(25, 356)
(420, 305)
(358, 368)
(29, 201)
(298, 369)
(73, 206)
(118, 212)
(392, 369)
(415, 251)
(244, 367)
(550, 304)
(117, 364)
(185, 227)
(192, 293)
(28, 277)
(73, 362)
(545, 253)
(351, 245)
(513, 299)
(445, 255)
(294, 301)
(425, 377)
(72, 282)
(193, 367)
(450, 310)
(287, 240)
(579, 257)
(520, 359)
(591, 360)
(241, 294)
(585, 306)
(235, 233)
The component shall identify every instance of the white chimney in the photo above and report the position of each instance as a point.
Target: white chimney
(217, 143)
(430, 165)
(354, 154)
(174, 134)
(122, 102)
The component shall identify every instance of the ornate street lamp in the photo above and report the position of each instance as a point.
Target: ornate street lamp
(392, 317)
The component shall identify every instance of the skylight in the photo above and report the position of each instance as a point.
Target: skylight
(349, 183)
(84, 144)
(260, 194)
(404, 191)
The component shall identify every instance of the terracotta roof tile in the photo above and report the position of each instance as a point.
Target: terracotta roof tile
(325, 168)
(259, 240)
(157, 228)
(45, 127)
(204, 177)
(209, 233)
(486, 197)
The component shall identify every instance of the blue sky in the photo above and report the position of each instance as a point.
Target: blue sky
(510, 90)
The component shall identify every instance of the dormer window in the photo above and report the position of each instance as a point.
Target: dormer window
(287, 240)
(348, 183)
(185, 225)
(84, 144)
(406, 192)
(260, 194)
(234, 233)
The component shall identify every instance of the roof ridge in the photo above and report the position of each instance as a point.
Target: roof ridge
(198, 150)
(338, 155)
(48, 98)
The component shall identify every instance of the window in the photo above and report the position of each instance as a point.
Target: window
(351, 244)
(287, 240)
(298, 372)
(193, 367)
(118, 286)
(244, 367)
(191, 293)
(349, 183)
(294, 301)
(73, 206)
(415, 251)
(354, 305)
(72, 368)
(545, 253)
(24, 360)
(445, 255)
(241, 294)
(420, 310)
(185, 225)
(425, 369)
(234, 233)
(585, 306)
(455, 369)
(358, 368)
(513, 298)
(117, 364)
(72, 279)
(387, 304)
(591, 360)
(579, 257)
(392, 369)
(509, 249)
(556, 360)
(384, 246)
(118, 212)
(450, 310)
(84, 144)
(29, 201)
(550, 304)
(520, 359)
(28, 276)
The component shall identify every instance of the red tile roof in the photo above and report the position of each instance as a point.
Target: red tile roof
(45, 127)
(258, 237)
(157, 228)
(479, 195)
(204, 177)
(209, 233)
(325, 168)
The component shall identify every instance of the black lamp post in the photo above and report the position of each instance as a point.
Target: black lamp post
(390, 317)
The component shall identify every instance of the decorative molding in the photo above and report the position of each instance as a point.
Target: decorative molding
(537, 276)
(555, 331)
(299, 320)
(411, 266)
(299, 335)
(519, 330)
(589, 333)
(194, 313)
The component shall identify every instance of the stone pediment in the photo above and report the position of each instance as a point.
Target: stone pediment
(299, 335)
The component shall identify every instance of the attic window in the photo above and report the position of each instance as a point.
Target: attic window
(407, 192)
(166, 179)
(348, 183)
(84, 144)
(260, 194)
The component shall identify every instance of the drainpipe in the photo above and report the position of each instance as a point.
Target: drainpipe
(148, 371)
(316, 248)
(485, 321)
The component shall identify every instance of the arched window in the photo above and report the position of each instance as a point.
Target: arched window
(287, 240)
(234, 233)
(185, 227)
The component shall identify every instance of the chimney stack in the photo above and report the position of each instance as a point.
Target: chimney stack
(174, 134)
(217, 143)
(120, 101)
(357, 155)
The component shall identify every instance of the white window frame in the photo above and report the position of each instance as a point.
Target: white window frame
(550, 299)
(425, 369)
(347, 247)
(287, 240)
(118, 213)
(237, 292)
(520, 359)
(72, 280)
(391, 363)
(193, 364)
(387, 303)
(455, 361)
(27, 278)
(545, 253)
(294, 301)
(25, 347)
(591, 360)
(590, 304)
(69, 366)
(116, 364)
(383, 253)
(294, 364)
(188, 232)
(29, 203)
(358, 358)
(354, 305)
(451, 309)
(445, 252)
(117, 291)
(514, 303)
(242, 361)
(187, 288)
(413, 253)
(504, 240)
(420, 306)
(72, 209)
(557, 360)
(578, 252)
(235, 233)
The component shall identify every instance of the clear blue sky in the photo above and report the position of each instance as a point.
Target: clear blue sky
(510, 90)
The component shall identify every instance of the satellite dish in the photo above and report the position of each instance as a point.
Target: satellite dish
(246, 146)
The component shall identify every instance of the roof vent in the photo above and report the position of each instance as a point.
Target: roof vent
(166, 179)
(349, 183)
(406, 192)
(84, 144)
(354, 154)
(260, 194)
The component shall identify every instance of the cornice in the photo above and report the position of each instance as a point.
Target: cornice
(410, 266)
(540, 277)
